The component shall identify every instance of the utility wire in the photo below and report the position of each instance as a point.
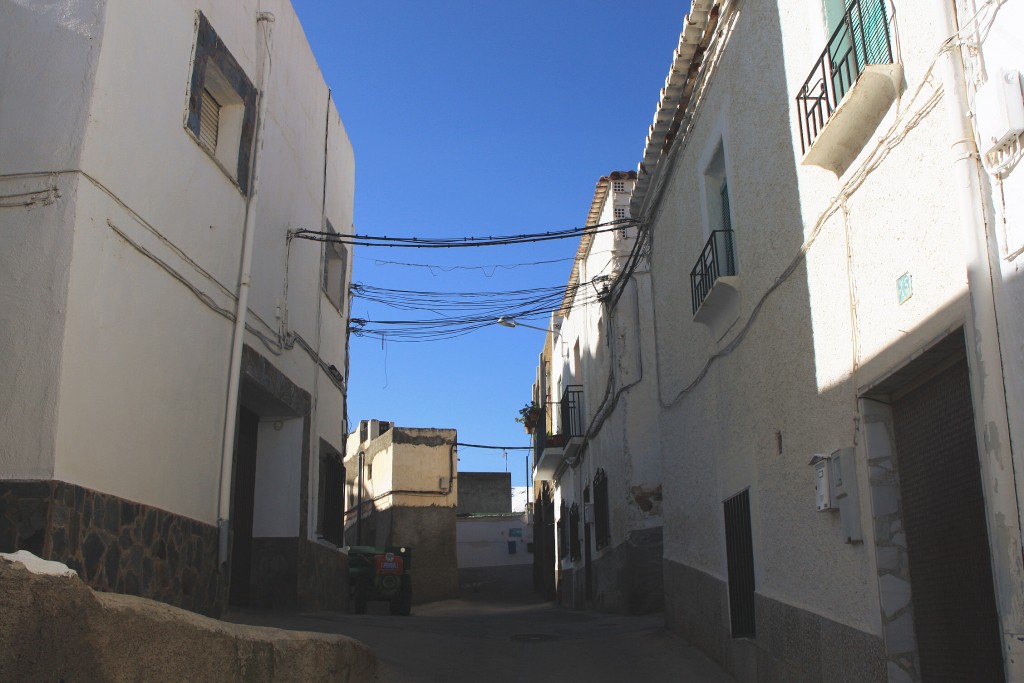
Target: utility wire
(454, 242)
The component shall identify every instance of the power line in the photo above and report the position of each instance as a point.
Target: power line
(497, 448)
(455, 242)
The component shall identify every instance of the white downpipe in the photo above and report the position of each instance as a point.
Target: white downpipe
(264, 21)
(1000, 483)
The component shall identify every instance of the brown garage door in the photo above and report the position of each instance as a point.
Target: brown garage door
(944, 517)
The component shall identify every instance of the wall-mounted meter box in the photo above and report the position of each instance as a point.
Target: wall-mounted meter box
(822, 482)
(999, 110)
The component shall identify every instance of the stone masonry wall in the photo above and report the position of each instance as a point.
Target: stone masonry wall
(115, 545)
(791, 645)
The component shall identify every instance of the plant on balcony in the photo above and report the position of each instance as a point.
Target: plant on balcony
(555, 441)
(529, 416)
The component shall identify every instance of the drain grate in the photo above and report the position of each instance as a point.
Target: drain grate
(534, 637)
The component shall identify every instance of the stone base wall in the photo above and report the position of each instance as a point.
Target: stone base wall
(791, 645)
(273, 582)
(323, 577)
(628, 578)
(115, 545)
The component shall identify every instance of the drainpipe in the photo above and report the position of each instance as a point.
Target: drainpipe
(983, 342)
(264, 21)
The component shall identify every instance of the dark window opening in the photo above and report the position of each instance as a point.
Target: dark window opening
(739, 548)
(331, 499)
(574, 532)
(602, 525)
(563, 531)
(221, 105)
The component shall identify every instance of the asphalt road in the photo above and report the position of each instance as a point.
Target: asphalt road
(493, 642)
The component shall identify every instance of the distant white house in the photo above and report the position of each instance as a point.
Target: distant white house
(174, 362)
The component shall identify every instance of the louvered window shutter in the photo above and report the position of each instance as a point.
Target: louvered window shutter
(209, 121)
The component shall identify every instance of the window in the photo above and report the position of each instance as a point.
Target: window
(331, 499)
(335, 271)
(739, 549)
(221, 105)
(717, 257)
(602, 527)
(716, 193)
(563, 530)
(574, 532)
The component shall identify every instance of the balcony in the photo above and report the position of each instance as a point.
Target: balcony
(714, 287)
(551, 451)
(849, 89)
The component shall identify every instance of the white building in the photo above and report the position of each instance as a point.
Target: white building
(402, 490)
(597, 447)
(174, 361)
(838, 304)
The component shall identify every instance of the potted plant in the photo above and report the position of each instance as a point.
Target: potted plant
(555, 441)
(529, 416)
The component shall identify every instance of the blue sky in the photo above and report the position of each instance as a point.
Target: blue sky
(474, 118)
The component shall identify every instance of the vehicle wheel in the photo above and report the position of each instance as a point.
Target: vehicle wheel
(360, 599)
(402, 605)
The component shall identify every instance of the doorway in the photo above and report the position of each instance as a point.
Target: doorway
(243, 506)
(956, 621)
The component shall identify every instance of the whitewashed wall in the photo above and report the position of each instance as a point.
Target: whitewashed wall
(132, 368)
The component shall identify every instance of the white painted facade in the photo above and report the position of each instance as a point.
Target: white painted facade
(488, 541)
(599, 349)
(798, 352)
(121, 246)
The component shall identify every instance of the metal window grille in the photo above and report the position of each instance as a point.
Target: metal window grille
(574, 532)
(209, 120)
(739, 548)
(861, 38)
(571, 412)
(563, 531)
(602, 525)
(716, 260)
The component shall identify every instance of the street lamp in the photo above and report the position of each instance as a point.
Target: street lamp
(505, 321)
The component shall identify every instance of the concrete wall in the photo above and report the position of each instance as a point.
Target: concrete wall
(484, 492)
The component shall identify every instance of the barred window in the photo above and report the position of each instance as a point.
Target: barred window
(574, 532)
(602, 525)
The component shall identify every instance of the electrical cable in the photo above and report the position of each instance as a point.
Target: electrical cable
(456, 242)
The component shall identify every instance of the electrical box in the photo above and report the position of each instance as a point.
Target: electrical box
(845, 496)
(835, 488)
(822, 482)
(999, 110)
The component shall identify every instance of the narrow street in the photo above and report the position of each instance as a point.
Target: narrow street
(479, 640)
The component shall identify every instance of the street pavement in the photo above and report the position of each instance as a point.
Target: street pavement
(489, 641)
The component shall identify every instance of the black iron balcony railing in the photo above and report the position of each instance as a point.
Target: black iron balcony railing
(570, 419)
(716, 260)
(540, 436)
(861, 38)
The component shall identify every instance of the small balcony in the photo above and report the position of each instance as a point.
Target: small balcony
(550, 451)
(849, 89)
(713, 285)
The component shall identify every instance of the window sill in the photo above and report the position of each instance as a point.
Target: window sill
(856, 118)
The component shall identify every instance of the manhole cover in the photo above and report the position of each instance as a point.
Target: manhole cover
(534, 637)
